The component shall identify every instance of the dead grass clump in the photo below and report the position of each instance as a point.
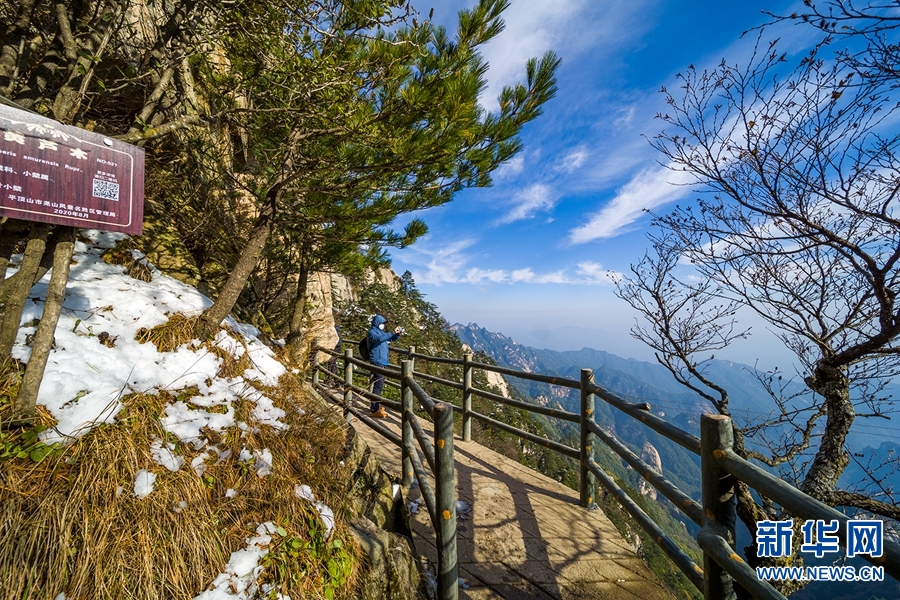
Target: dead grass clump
(76, 526)
(20, 439)
(168, 336)
(140, 270)
(231, 366)
(11, 373)
(79, 529)
(122, 255)
(43, 418)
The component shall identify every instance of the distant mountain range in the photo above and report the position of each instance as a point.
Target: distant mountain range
(640, 381)
(628, 377)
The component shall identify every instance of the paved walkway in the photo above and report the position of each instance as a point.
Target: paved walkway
(525, 536)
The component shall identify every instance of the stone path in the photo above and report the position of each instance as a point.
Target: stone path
(525, 536)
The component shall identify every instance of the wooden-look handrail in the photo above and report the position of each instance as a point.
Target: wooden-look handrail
(721, 468)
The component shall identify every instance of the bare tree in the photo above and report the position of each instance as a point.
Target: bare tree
(797, 221)
(867, 27)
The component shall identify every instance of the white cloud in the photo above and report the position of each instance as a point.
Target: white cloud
(476, 275)
(597, 273)
(614, 162)
(442, 265)
(591, 270)
(532, 28)
(647, 190)
(523, 275)
(527, 275)
(588, 273)
(568, 27)
(572, 161)
(510, 168)
(626, 117)
(450, 264)
(555, 277)
(536, 197)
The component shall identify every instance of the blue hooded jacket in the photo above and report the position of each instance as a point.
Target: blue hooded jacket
(378, 341)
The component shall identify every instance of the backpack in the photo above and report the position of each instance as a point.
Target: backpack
(364, 348)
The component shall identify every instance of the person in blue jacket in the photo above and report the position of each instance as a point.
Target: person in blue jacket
(378, 339)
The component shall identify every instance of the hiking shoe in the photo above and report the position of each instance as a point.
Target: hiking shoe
(378, 414)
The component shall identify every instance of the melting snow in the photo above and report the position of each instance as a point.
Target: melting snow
(143, 483)
(164, 455)
(262, 462)
(304, 492)
(239, 581)
(85, 381)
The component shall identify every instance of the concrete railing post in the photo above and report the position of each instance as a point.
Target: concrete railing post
(406, 411)
(445, 496)
(716, 436)
(467, 398)
(348, 381)
(586, 483)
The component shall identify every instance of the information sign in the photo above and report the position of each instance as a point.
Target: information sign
(55, 173)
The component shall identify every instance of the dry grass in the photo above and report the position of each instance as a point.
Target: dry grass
(231, 366)
(168, 336)
(11, 373)
(121, 255)
(76, 527)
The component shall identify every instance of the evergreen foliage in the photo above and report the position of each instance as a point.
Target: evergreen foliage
(282, 138)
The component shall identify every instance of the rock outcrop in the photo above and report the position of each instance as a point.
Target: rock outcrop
(650, 455)
(321, 290)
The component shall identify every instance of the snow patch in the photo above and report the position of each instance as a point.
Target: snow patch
(239, 581)
(86, 380)
(164, 455)
(143, 483)
(304, 492)
(262, 462)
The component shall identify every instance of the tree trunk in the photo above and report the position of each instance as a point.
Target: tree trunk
(11, 231)
(172, 41)
(9, 55)
(7, 243)
(82, 55)
(246, 263)
(830, 461)
(6, 285)
(24, 405)
(49, 73)
(18, 293)
(300, 302)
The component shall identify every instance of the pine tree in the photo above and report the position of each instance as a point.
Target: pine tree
(391, 126)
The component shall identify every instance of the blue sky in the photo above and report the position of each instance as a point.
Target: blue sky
(529, 256)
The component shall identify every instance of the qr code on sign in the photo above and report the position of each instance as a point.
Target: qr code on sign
(106, 190)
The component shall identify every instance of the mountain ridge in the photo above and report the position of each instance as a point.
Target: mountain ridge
(625, 376)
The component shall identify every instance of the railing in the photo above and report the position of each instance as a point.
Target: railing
(440, 501)
(721, 468)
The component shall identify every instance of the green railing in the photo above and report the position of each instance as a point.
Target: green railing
(721, 468)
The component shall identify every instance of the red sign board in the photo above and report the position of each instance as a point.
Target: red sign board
(54, 173)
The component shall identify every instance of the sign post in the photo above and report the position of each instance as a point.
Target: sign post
(55, 173)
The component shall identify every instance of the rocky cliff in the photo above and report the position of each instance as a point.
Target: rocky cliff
(324, 290)
(650, 456)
